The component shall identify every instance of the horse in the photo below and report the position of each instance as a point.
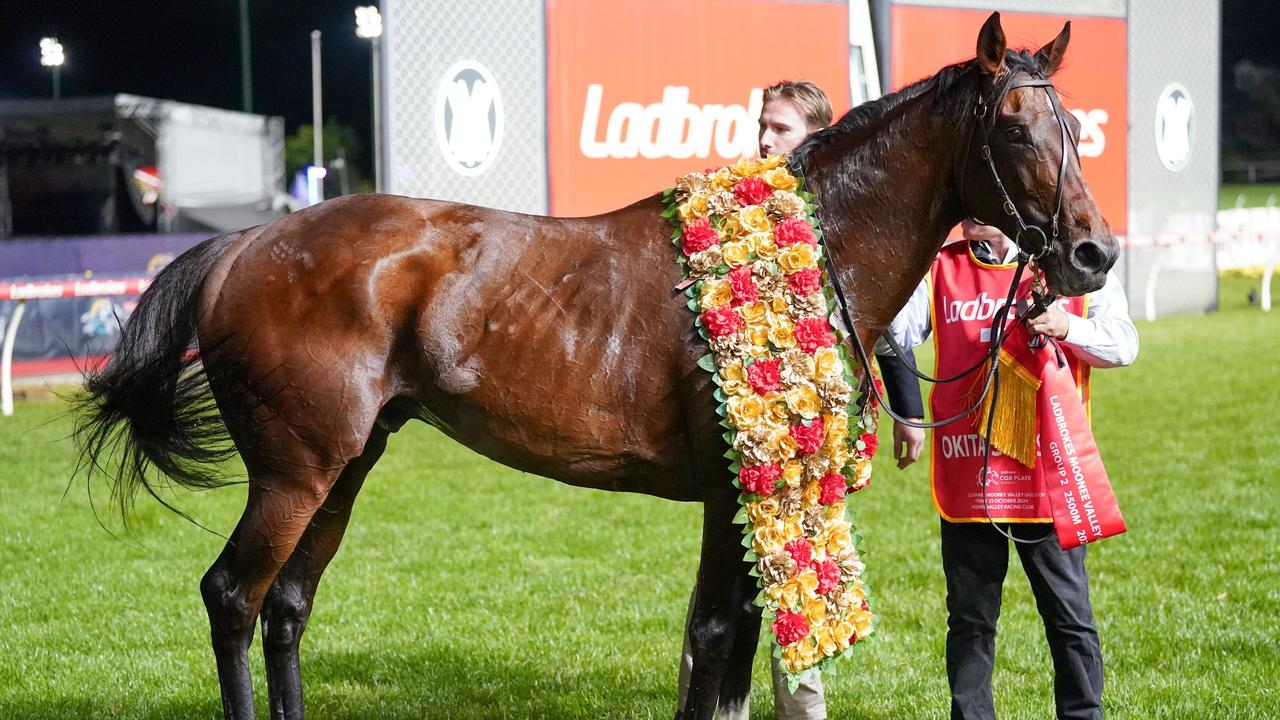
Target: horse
(557, 346)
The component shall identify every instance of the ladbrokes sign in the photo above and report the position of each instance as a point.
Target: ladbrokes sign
(640, 93)
(1092, 80)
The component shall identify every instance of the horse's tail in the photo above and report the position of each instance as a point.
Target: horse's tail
(151, 402)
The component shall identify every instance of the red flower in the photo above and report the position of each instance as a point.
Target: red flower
(790, 627)
(760, 479)
(698, 236)
(809, 439)
(752, 191)
(802, 552)
(744, 288)
(828, 576)
(764, 375)
(722, 321)
(812, 333)
(833, 489)
(805, 282)
(792, 231)
(872, 443)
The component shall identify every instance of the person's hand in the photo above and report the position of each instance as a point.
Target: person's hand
(908, 442)
(1051, 322)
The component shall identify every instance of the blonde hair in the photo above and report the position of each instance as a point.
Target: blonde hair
(813, 104)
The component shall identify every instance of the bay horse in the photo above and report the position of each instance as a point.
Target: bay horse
(555, 346)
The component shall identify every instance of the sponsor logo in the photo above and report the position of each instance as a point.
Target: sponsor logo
(1093, 140)
(1174, 129)
(100, 319)
(982, 307)
(670, 128)
(469, 118)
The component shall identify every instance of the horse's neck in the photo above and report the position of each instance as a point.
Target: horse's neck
(886, 204)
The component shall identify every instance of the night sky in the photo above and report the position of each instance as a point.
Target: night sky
(188, 50)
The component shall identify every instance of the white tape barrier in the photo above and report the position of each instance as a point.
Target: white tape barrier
(1266, 242)
(51, 290)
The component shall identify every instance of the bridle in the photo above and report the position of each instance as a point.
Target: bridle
(986, 114)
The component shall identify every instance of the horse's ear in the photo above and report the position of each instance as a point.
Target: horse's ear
(991, 46)
(1050, 56)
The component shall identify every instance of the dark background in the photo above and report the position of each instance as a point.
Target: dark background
(188, 50)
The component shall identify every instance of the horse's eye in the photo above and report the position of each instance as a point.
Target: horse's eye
(1016, 134)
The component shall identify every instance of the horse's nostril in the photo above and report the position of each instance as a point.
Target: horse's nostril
(1089, 257)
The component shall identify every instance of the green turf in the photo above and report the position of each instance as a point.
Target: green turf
(1255, 195)
(466, 590)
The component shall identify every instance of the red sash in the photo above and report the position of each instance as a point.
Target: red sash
(965, 293)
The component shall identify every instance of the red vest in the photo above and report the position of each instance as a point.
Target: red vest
(964, 295)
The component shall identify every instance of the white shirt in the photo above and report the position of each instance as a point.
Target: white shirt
(1104, 338)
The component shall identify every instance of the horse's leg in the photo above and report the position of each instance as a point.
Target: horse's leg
(288, 604)
(724, 602)
(279, 508)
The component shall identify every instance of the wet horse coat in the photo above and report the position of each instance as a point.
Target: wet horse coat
(555, 346)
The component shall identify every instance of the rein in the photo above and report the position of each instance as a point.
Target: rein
(986, 114)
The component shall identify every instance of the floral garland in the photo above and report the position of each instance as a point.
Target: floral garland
(750, 250)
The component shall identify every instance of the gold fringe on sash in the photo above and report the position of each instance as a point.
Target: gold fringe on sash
(1013, 429)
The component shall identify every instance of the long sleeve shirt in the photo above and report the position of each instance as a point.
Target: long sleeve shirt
(1105, 337)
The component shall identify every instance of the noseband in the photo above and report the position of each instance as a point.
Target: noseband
(1031, 239)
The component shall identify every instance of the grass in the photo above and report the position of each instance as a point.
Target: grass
(467, 590)
(1255, 194)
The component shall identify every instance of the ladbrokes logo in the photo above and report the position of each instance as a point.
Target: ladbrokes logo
(982, 307)
(469, 117)
(671, 128)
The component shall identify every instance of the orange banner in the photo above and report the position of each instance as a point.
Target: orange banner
(1092, 80)
(640, 93)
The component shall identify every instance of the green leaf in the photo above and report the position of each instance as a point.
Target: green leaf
(793, 682)
(735, 467)
(729, 436)
(748, 538)
(707, 362)
(741, 517)
(752, 556)
(719, 395)
(692, 304)
(759, 599)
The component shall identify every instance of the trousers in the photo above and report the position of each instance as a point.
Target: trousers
(975, 559)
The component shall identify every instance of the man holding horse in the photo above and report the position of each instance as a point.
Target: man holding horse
(955, 303)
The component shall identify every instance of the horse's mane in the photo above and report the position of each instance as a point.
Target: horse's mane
(947, 88)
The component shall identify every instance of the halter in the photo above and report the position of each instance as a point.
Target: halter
(987, 114)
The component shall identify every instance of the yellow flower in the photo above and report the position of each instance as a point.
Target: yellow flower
(812, 491)
(777, 404)
(826, 640)
(792, 473)
(792, 594)
(754, 219)
(804, 401)
(759, 337)
(693, 208)
(763, 512)
(755, 313)
(783, 445)
(838, 535)
(826, 363)
(721, 179)
(781, 178)
(715, 292)
(729, 227)
(843, 630)
(763, 245)
(736, 253)
(782, 336)
(768, 540)
(779, 304)
(772, 161)
(815, 611)
(800, 656)
(792, 528)
(837, 426)
(733, 380)
(746, 167)
(797, 257)
(745, 410)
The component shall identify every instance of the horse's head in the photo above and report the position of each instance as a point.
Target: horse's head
(1020, 170)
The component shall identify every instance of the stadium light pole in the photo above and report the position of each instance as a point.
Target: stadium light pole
(317, 115)
(369, 27)
(52, 56)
